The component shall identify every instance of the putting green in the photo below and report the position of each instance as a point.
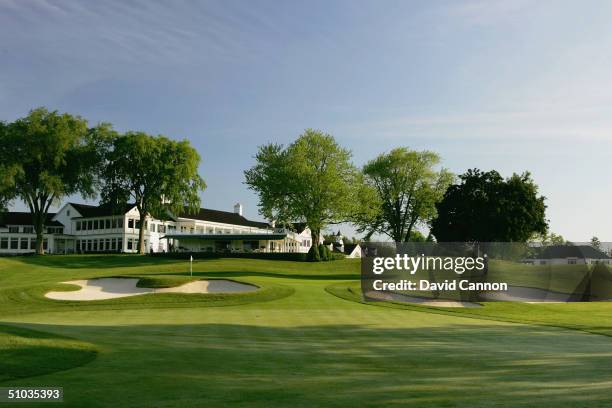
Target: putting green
(305, 348)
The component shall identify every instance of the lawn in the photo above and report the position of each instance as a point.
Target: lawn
(305, 339)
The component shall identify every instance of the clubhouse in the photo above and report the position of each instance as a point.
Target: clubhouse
(80, 228)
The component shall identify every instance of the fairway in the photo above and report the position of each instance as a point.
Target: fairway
(300, 340)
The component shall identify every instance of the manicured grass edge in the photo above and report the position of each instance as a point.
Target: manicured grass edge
(352, 293)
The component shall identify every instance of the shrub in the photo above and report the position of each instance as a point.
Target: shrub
(324, 254)
(313, 254)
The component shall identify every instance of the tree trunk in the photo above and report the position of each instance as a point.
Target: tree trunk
(315, 235)
(141, 246)
(39, 227)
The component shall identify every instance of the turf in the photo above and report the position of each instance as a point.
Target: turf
(300, 345)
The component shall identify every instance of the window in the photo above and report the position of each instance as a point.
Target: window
(68, 213)
(114, 223)
(162, 228)
(120, 223)
(114, 244)
(129, 244)
(4, 243)
(14, 230)
(28, 230)
(108, 224)
(90, 225)
(45, 244)
(108, 244)
(95, 224)
(14, 243)
(23, 243)
(78, 225)
(571, 262)
(88, 245)
(130, 223)
(95, 245)
(120, 244)
(32, 244)
(137, 224)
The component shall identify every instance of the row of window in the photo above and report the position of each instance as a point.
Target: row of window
(103, 244)
(20, 243)
(109, 223)
(106, 244)
(27, 229)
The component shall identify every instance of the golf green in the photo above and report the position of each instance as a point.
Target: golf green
(298, 341)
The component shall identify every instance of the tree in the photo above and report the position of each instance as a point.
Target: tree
(404, 187)
(159, 174)
(596, 243)
(310, 181)
(9, 169)
(548, 239)
(484, 207)
(52, 155)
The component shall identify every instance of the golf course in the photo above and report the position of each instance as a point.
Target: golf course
(303, 338)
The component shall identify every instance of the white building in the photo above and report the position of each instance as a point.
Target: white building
(568, 255)
(87, 228)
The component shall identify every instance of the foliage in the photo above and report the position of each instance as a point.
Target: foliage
(314, 255)
(159, 174)
(324, 252)
(596, 243)
(484, 207)
(311, 181)
(400, 191)
(548, 238)
(49, 156)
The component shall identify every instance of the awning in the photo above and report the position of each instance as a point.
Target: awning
(228, 237)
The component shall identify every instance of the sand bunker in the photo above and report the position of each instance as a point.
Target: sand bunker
(111, 288)
(398, 297)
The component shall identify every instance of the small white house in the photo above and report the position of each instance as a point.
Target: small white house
(568, 255)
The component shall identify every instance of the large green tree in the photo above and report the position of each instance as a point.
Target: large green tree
(9, 169)
(159, 174)
(485, 207)
(310, 181)
(50, 155)
(400, 192)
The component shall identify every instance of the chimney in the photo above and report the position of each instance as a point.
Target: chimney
(238, 208)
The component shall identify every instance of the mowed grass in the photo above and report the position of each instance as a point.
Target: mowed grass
(305, 347)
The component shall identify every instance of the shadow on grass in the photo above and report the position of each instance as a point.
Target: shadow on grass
(92, 261)
(300, 276)
(28, 353)
(341, 365)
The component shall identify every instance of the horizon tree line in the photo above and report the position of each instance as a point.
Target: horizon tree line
(48, 155)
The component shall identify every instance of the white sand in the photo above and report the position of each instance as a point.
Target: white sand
(398, 297)
(111, 288)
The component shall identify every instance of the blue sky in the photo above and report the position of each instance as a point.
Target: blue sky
(508, 85)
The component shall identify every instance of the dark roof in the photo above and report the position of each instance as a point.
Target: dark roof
(25, 218)
(225, 217)
(88, 211)
(349, 248)
(570, 251)
(299, 227)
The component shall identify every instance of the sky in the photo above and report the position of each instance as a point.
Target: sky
(508, 85)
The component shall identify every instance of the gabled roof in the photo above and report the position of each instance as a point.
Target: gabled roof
(299, 227)
(88, 211)
(25, 218)
(570, 251)
(349, 248)
(224, 217)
